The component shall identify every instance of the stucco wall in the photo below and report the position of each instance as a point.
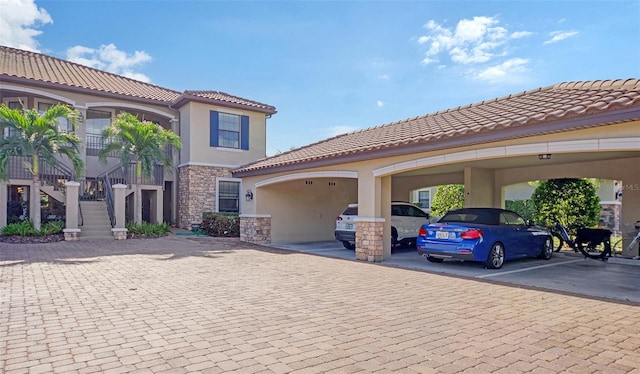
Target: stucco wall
(197, 130)
(306, 209)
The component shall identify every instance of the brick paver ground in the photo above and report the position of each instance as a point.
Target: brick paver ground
(184, 304)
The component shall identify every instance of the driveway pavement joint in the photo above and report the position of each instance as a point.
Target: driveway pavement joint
(215, 305)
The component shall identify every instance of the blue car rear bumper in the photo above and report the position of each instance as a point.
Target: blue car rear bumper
(447, 251)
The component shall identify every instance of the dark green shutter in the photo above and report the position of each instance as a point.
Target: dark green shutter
(213, 128)
(244, 132)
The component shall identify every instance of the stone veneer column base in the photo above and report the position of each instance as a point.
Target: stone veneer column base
(369, 232)
(71, 235)
(197, 192)
(255, 228)
(119, 234)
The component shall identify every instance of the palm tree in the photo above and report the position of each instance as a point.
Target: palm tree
(141, 141)
(38, 136)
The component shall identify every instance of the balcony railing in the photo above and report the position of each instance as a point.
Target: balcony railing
(19, 167)
(95, 144)
(99, 188)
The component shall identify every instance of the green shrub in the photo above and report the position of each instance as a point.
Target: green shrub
(522, 207)
(148, 229)
(52, 227)
(221, 224)
(571, 202)
(25, 228)
(446, 198)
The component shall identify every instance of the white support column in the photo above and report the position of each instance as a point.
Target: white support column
(119, 230)
(479, 187)
(3, 204)
(158, 203)
(71, 231)
(370, 225)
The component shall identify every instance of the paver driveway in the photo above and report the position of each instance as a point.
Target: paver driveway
(186, 304)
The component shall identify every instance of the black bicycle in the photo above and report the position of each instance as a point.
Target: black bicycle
(592, 243)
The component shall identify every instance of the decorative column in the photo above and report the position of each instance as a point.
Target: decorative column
(71, 231)
(119, 230)
(369, 239)
(255, 228)
(3, 204)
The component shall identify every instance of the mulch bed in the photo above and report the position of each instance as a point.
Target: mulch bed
(17, 239)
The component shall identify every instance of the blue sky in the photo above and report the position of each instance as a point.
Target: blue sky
(331, 67)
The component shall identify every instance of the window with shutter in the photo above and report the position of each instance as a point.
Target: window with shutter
(229, 130)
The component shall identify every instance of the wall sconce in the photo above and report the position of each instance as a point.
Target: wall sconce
(544, 156)
(248, 196)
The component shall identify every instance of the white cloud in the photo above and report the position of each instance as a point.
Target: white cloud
(557, 36)
(508, 71)
(383, 77)
(109, 58)
(19, 23)
(520, 34)
(427, 61)
(472, 41)
(339, 130)
(380, 104)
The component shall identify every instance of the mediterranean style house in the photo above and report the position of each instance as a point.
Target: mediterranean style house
(219, 132)
(567, 130)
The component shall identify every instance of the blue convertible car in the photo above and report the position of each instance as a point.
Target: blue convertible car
(487, 235)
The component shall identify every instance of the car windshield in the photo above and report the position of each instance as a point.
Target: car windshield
(350, 211)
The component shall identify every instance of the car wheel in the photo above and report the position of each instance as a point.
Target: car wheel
(434, 259)
(350, 246)
(547, 249)
(496, 256)
(394, 237)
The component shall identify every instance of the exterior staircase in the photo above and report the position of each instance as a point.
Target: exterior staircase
(95, 220)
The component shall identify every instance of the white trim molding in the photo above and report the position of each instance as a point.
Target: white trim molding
(592, 145)
(38, 92)
(255, 215)
(308, 175)
(207, 165)
(369, 219)
(122, 104)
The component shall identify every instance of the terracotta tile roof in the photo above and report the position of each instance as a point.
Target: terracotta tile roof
(524, 114)
(42, 68)
(217, 97)
(18, 65)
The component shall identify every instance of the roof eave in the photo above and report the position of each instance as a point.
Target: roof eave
(185, 98)
(541, 128)
(81, 90)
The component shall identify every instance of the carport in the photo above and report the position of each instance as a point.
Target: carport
(583, 129)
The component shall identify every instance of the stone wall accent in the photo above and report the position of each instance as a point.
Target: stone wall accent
(610, 216)
(197, 192)
(71, 235)
(255, 229)
(369, 239)
(119, 234)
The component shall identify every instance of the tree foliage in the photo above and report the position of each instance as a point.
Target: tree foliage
(571, 202)
(447, 197)
(524, 208)
(142, 142)
(39, 137)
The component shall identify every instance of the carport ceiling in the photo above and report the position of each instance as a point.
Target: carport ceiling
(520, 161)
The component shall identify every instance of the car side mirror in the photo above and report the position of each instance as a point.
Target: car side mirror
(530, 223)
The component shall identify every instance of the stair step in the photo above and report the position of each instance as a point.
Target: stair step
(95, 219)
